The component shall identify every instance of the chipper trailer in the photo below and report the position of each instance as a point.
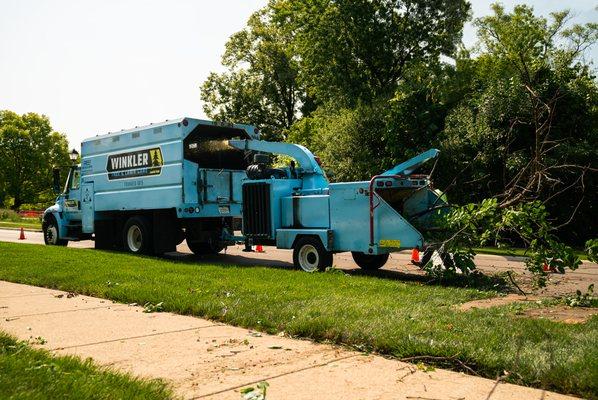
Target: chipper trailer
(145, 190)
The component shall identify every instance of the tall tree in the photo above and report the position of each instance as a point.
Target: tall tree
(359, 50)
(527, 129)
(260, 85)
(29, 150)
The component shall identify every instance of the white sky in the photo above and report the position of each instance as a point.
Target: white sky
(100, 66)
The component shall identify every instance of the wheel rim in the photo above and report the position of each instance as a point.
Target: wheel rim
(309, 259)
(134, 238)
(52, 234)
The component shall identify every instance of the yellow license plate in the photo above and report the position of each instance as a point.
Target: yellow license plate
(390, 243)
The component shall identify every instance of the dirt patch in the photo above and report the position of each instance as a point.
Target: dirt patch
(568, 315)
(565, 314)
(496, 301)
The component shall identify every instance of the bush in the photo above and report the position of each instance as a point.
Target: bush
(9, 215)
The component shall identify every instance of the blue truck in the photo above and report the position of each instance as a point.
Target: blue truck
(145, 190)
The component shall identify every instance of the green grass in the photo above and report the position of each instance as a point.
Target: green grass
(517, 252)
(26, 223)
(371, 313)
(27, 373)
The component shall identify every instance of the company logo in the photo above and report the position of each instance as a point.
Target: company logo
(133, 164)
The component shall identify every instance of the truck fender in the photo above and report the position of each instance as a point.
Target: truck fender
(55, 212)
(286, 238)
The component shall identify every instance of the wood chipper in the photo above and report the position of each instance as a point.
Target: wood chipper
(297, 208)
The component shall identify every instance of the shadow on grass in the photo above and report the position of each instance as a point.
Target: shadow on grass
(477, 280)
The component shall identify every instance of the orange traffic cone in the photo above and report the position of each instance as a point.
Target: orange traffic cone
(259, 249)
(415, 255)
(548, 268)
(22, 235)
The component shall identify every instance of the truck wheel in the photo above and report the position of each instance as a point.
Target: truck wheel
(369, 261)
(50, 229)
(137, 235)
(310, 255)
(204, 248)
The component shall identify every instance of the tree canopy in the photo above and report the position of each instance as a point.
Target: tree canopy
(29, 148)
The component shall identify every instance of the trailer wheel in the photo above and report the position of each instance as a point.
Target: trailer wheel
(50, 229)
(369, 261)
(310, 255)
(137, 235)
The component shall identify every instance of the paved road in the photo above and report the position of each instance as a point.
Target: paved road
(203, 359)
(398, 266)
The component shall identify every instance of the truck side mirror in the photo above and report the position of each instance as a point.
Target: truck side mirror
(56, 180)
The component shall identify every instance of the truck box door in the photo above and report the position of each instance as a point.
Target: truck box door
(87, 208)
(217, 186)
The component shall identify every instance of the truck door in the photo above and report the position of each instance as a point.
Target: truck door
(72, 201)
(87, 208)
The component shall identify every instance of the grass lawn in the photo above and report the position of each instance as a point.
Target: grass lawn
(27, 223)
(27, 373)
(370, 313)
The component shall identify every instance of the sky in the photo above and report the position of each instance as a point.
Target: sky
(95, 67)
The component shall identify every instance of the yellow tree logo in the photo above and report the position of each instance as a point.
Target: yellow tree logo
(156, 158)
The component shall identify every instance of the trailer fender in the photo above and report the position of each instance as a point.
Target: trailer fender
(286, 238)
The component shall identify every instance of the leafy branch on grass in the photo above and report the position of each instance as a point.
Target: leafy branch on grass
(586, 299)
(490, 223)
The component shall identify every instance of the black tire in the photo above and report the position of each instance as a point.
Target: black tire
(369, 262)
(204, 248)
(50, 230)
(137, 235)
(310, 255)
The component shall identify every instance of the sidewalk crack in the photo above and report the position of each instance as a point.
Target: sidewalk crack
(133, 337)
(274, 377)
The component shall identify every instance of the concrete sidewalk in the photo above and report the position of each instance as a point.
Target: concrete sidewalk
(203, 359)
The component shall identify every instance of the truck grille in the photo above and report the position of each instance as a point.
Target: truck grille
(256, 210)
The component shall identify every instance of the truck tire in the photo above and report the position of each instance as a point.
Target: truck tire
(50, 229)
(204, 248)
(310, 255)
(137, 235)
(369, 262)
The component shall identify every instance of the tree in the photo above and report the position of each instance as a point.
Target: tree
(526, 130)
(30, 149)
(359, 50)
(297, 55)
(260, 85)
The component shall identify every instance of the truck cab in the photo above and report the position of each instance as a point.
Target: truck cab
(62, 221)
